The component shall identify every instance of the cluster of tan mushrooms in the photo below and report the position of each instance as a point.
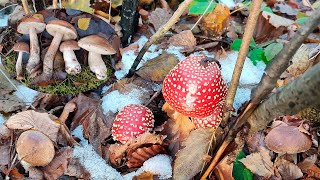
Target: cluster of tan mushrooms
(64, 32)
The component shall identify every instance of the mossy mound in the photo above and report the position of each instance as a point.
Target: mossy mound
(73, 84)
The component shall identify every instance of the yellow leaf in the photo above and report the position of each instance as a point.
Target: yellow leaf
(83, 5)
(116, 3)
(38, 16)
(83, 23)
(216, 21)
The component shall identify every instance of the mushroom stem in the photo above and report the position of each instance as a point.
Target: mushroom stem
(72, 65)
(97, 65)
(49, 57)
(19, 71)
(34, 58)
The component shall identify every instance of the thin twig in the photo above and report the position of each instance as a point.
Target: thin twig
(8, 6)
(250, 26)
(110, 5)
(205, 11)
(55, 4)
(25, 6)
(154, 38)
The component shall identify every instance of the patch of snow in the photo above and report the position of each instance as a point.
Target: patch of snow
(27, 95)
(242, 95)
(250, 74)
(114, 101)
(206, 53)
(2, 119)
(92, 162)
(4, 20)
(158, 165)
(176, 51)
(105, 89)
(156, 87)
(230, 3)
(78, 133)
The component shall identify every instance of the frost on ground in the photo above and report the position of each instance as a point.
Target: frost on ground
(158, 165)
(2, 119)
(27, 95)
(114, 101)
(91, 161)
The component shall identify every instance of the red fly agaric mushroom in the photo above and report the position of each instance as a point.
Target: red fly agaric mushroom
(213, 120)
(131, 121)
(97, 46)
(195, 87)
(35, 148)
(72, 65)
(32, 26)
(20, 47)
(61, 31)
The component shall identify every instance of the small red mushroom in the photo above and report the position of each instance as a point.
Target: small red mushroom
(131, 121)
(195, 87)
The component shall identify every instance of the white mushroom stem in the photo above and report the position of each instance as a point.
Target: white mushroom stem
(97, 65)
(49, 57)
(72, 65)
(34, 58)
(19, 71)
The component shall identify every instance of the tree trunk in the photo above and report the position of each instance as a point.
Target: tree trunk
(129, 19)
(300, 94)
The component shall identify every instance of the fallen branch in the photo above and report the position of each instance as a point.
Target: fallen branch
(154, 38)
(302, 93)
(244, 48)
(25, 6)
(129, 19)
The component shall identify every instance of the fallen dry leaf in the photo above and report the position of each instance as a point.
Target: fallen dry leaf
(189, 160)
(177, 128)
(156, 69)
(159, 17)
(117, 152)
(287, 169)
(286, 9)
(35, 173)
(276, 20)
(31, 119)
(83, 23)
(224, 170)
(5, 154)
(255, 141)
(307, 163)
(314, 171)
(144, 176)
(300, 61)
(259, 163)
(58, 165)
(184, 39)
(4, 133)
(215, 23)
(137, 157)
(9, 102)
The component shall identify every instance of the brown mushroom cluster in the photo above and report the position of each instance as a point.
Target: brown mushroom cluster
(64, 39)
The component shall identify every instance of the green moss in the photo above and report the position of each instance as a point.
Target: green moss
(73, 84)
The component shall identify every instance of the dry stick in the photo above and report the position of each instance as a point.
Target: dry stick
(55, 4)
(301, 34)
(249, 29)
(154, 38)
(247, 36)
(25, 6)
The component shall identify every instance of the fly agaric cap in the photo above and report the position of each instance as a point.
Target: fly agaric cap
(30, 22)
(97, 44)
(60, 26)
(287, 139)
(21, 47)
(195, 87)
(35, 148)
(213, 120)
(131, 121)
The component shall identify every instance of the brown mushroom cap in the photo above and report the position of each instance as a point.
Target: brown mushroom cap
(35, 148)
(21, 47)
(60, 26)
(69, 45)
(287, 139)
(96, 44)
(29, 22)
